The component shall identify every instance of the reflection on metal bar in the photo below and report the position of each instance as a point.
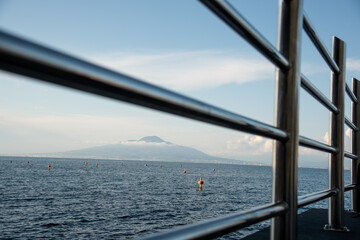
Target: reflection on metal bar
(286, 117)
(239, 24)
(317, 94)
(350, 93)
(315, 197)
(349, 187)
(310, 143)
(314, 37)
(350, 155)
(26, 58)
(336, 133)
(351, 125)
(223, 225)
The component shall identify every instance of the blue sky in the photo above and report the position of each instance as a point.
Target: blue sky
(180, 45)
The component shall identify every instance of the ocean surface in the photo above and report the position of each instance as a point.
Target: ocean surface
(130, 199)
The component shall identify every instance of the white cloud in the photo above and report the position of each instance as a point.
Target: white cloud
(250, 145)
(309, 151)
(348, 132)
(143, 143)
(189, 70)
(326, 138)
(257, 145)
(312, 68)
(353, 64)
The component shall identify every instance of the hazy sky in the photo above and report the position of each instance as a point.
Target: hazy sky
(179, 45)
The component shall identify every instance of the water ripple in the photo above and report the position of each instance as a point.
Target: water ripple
(114, 201)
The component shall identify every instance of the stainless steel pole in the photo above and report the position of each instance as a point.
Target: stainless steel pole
(337, 121)
(285, 154)
(355, 148)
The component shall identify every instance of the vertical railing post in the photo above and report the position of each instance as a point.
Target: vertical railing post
(336, 161)
(355, 148)
(285, 154)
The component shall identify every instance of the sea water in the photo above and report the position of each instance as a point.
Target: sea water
(130, 199)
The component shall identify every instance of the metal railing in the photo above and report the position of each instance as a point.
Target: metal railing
(355, 145)
(30, 59)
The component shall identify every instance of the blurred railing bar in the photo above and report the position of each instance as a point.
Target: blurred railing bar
(316, 196)
(350, 124)
(310, 143)
(26, 58)
(349, 187)
(317, 94)
(314, 37)
(351, 94)
(350, 155)
(220, 226)
(239, 24)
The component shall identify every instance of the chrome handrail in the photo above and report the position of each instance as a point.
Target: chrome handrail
(24, 57)
(311, 143)
(351, 125)
(350, 187)
(314, 37)
(240, 25)
(223, 225)
(351, 94)
(316, 196)
(317, 94)
(350, 155)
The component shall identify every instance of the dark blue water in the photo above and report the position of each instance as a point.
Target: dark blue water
(128, 199)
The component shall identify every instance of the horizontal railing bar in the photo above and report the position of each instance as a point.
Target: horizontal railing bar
(240, 25)
(314, 37)
(310, 143)
(350, 124)
(351, 94)
(350, 155)
(220, 226)
(26, 58)
(317, 94)
(315, 197)
(349, 187)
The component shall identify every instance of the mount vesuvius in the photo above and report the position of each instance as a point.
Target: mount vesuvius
(151, 148)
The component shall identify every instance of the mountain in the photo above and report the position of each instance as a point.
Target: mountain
(150, 148)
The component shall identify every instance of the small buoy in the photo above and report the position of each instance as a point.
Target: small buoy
(201, 182)
(145, 165)
(160, 166)
(49, 166)
(27, 163)
(213, 169)
(184, 170)
(97, 164)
